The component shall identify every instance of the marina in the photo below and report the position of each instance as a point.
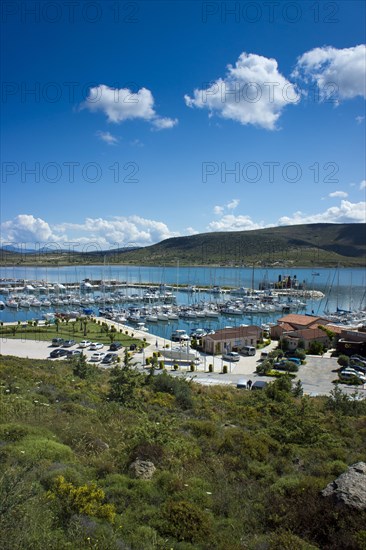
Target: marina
(162, 300)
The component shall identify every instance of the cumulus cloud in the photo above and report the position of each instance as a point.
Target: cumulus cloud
(121, 104)
(338, 73)
(230, 222)
(164, 123)
(252, 92)
(233, 204)
(26, 228)
(115, 232)
(219, 210)
(338, 194)
(107, 137)
(347, 212)
(191, 231)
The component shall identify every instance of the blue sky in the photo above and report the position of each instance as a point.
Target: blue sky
(154, 119)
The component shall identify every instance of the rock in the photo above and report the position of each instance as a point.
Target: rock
(142, 469)
(350, 487)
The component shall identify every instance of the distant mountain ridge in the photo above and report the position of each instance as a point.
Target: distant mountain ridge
(306, 244)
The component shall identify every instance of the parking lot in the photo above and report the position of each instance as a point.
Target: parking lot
(317, 375)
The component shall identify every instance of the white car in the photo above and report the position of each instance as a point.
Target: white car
(84, 344)
(96, 357)
(349, 373)
(231, 356)
(95, 346)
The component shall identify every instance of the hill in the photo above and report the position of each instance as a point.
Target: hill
(222, 469)
(298, 245)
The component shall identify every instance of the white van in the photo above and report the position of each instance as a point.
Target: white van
(264, 355)
(248, 350)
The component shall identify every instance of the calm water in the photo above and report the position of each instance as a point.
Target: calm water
(344, 288)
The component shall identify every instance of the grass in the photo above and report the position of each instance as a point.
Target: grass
(69, 331)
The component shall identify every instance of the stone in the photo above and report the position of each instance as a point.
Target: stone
(350, 487)
(142, 469)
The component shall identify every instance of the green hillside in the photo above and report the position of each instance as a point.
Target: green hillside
(299, 245)
(234, 470)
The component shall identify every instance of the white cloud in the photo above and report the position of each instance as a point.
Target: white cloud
(191, 231)
(360, 119)
(363, 185)
(347, 212)
(230, 222)
(118, 231)
(233, 204)
(26, 228)
(121, 104)
(339, 74)
(338, 194)
(219, 210)
(164, 123)
(252, 92)
(107, 137)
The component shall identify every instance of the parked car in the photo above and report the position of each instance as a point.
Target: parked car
(259, 385)
(286, 364)
(68, 343)
(57, 342)
(231, 356)
(115, 346)
(357, 361)
(358, 368)
(58, 353)
(110, 358)
(264, 355)
(295, 360)
(73, 353)
(96, 357)
(242, 383)
(352, 373)
(95, 346)
(248, 350)
(84, 344)
(358, 358)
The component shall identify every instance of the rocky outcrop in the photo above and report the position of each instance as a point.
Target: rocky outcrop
(142, 469)
(350, 487)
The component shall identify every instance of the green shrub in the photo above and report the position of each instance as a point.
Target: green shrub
(185, 521)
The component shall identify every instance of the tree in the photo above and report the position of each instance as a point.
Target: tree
(316, 348)
(328, 332)
(264, 367)
(82, 368)
(343, 361)
(280, 389)
(125, 381)
(284, 344)
(298, 390)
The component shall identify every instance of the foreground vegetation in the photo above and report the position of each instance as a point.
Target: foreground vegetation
(234, 469)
